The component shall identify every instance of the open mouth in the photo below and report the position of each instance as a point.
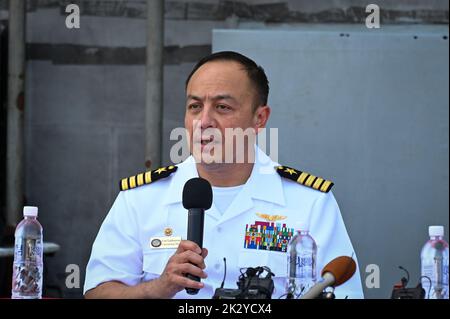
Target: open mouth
(206, 141)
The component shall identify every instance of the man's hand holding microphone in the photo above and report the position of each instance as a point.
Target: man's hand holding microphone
(184, 270)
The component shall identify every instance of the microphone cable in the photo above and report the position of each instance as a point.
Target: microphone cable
(429, 287)
(405, 281)
(224, 272)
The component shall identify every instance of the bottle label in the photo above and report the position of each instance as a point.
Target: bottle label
(435, 272)
(301, 274)
(304, 266)
(28, 249)
(27, 268)
(446, 274)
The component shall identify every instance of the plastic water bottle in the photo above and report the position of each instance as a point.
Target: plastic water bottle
(301, 264)
(28, 249)
(434, 259)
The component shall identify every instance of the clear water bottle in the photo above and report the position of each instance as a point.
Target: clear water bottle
(28, 249)
(301, 264)
(434, 268)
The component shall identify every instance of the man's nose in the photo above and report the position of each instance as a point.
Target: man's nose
(207, 118)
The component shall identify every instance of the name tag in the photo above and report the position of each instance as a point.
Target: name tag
(164, 242)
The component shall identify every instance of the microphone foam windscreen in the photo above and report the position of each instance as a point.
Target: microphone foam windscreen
(197, 193)
(342, 268)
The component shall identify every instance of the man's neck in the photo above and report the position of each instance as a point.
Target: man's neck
(225, 175)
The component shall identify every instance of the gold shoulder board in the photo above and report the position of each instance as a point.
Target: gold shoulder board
(306, 179)
(146, 178)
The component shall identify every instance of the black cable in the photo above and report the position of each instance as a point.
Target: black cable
(270, 274)
(407, 274)
(224, 272)
(243, 277)
(300, 293)
(429, 287)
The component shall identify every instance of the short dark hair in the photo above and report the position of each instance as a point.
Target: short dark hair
(255, 72)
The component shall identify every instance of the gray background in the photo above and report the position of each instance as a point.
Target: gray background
(85, 116)
(369, 111)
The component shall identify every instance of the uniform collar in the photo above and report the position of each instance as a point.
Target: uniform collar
(263, 184)
(186, 170)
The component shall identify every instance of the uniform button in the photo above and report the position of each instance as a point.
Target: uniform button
(219, 229)
(217, 266)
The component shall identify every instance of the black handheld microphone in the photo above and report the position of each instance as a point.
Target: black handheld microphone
(197, 197)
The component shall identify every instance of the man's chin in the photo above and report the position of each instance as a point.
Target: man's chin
(207, 158)
(206, 154)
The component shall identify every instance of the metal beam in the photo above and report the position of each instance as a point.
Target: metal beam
(154, 82)
(15, 109)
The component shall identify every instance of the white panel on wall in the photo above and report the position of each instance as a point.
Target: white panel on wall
(368, 109)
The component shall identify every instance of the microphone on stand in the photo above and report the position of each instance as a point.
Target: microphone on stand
(197, 197)
(335, 273)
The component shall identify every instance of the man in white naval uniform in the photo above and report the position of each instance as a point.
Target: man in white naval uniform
(140, 251)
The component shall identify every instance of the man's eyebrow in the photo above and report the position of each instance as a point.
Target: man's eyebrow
(217, 97)
(193, 97)
(223, 97)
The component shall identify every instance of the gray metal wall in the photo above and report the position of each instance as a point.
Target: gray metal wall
(368, 109)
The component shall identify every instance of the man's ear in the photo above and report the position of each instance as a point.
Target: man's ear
(262, 116)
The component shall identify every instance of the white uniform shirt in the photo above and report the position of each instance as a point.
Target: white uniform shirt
(224, 196)
(122, 250)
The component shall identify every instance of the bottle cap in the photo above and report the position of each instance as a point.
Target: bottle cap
(30, 211)
(301, 226)
(434, 231)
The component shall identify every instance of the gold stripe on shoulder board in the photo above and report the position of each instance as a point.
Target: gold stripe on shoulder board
(146, 178)
(306, 179)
